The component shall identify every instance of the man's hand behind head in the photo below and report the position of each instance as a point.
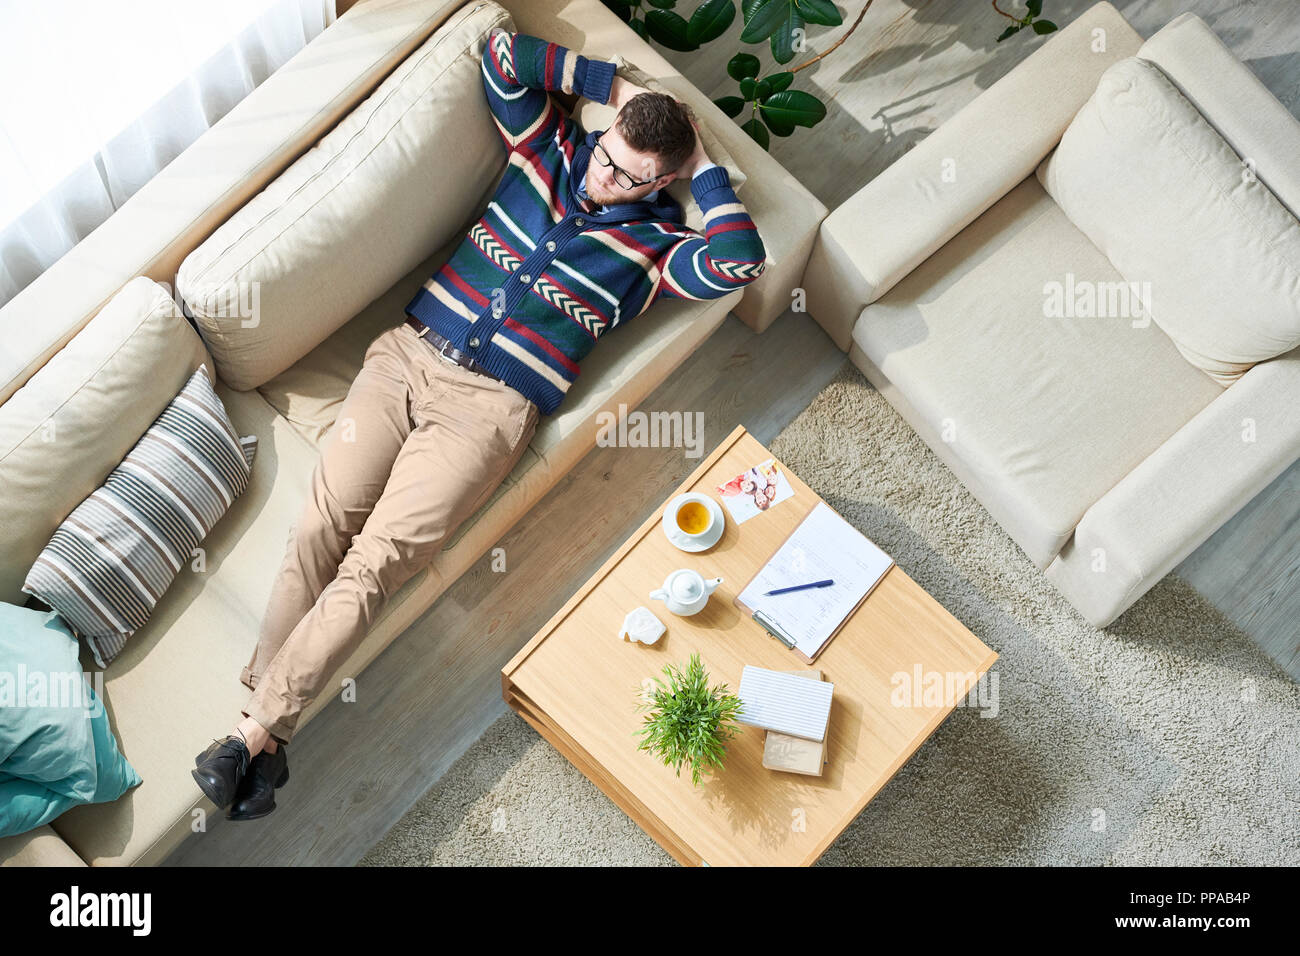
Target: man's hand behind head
(687, 169)
(621, 90)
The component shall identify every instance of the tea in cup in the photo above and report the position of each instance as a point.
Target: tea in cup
(694, 518)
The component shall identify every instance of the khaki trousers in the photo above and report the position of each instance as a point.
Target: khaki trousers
(419, 444)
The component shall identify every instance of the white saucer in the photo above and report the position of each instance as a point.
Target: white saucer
(675, 535)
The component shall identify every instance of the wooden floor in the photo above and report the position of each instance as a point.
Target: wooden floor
(911, 65)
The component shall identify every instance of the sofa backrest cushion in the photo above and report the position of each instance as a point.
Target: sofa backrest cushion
(355, 213)
(1213, 252)
(70, 425)
(592, 115)
(1233, 100)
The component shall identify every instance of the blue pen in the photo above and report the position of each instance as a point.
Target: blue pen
(800, 587)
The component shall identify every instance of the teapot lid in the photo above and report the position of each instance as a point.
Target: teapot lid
(685, 585)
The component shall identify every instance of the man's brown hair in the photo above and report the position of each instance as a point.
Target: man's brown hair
(657, 123)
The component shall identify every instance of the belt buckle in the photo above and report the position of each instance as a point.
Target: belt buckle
(447, 347)
(443, 350)
(428, 334)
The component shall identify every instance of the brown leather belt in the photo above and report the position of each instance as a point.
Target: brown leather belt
(444, 348)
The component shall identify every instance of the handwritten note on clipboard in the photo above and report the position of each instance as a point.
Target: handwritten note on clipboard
(821, 546)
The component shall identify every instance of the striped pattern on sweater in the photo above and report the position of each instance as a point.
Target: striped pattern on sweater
(110, 561)
(537, 280)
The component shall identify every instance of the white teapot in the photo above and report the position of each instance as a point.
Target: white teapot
(686, 591)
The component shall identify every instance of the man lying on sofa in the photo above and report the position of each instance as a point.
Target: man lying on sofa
(445, 404)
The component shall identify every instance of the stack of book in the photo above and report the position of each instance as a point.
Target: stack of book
(794, 707)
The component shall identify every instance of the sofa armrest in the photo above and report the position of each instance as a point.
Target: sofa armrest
(1168, 505)
(786, 213)
(899, 219)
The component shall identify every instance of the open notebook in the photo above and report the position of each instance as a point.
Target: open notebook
(822, 546)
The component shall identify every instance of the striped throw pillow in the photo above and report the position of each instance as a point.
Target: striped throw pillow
(108, 564)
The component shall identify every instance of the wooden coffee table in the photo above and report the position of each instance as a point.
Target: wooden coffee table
(578, 683)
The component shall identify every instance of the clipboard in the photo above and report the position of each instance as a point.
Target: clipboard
(775, 630)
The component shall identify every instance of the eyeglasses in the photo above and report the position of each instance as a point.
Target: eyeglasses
(621, 175)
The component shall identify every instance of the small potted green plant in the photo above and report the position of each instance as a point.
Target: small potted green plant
(688, 722)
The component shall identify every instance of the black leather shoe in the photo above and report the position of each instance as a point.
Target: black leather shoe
(256, 795)
(221, 768)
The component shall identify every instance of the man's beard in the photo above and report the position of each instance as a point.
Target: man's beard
(617, 197)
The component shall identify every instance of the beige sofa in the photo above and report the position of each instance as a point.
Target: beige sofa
(1095, 442)
(176, 684)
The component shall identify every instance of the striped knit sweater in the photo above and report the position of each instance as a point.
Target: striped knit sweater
(537, 280)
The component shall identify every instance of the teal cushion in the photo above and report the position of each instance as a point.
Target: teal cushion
(56, 747)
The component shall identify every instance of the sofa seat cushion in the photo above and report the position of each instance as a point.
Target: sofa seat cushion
(39, 847)
(175, 686)
(636, 358)
(1043, 412)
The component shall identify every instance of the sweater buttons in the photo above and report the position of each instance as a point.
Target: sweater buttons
(525, 278)
(473, 343)
(579, 222)
(551, 245)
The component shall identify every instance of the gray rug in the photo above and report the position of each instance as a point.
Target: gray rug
(1167, 739)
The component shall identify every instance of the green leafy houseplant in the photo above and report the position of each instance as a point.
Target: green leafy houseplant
(689, 722)
(774, 108)
(1031, 19)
